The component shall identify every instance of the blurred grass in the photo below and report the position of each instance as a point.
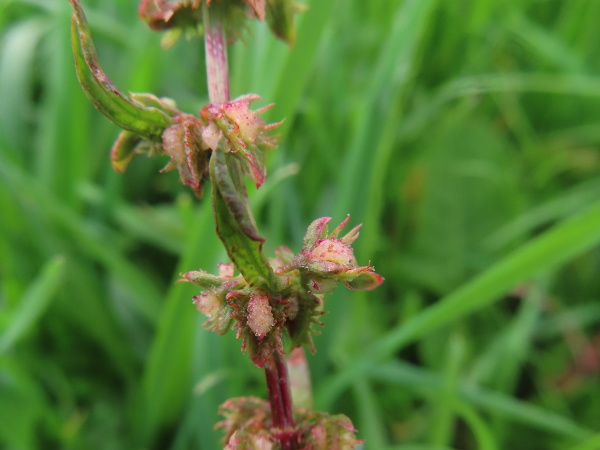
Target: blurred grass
(464, 135)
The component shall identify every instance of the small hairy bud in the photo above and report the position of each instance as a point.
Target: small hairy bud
(318, 285)
(334, 250)
(260, 316)
(208, 303)
(326, 259)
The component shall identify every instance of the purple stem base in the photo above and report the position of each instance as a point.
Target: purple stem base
(280, 399)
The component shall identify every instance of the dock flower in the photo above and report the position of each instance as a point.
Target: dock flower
(230, 303)
(179, 16)
(248, 425)
(240, 131)
(326, 259)
(212, 301)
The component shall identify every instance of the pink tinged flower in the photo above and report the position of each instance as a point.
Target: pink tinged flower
(333, 250)
(326, 259)
(366, 281)
(186, 15)
(247, 121)
(261, 440)
(250, 440)
(319, 436)
(260, 316)
(165, 14)
(211, 135)
(208, 303)
(226, 270)
(240, 130)
(331, 432)
(318, 285)
(247, 424)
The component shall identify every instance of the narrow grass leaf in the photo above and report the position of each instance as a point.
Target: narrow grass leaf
(371, 422)
(166, 380)
(483, 434)
(445, 402)
(391, 73)
(590, 444)
(34, 303)
(424, 383)
(145, 294)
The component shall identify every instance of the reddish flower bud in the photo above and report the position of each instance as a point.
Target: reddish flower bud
(208, 303)
(164, 14)
(183, 143)
(187, 15)
(240, 131)
(335, 251)
(326, 259)
(260, 315)
(248, 425)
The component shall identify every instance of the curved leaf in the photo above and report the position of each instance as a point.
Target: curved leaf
(123, 150)
(146, 121)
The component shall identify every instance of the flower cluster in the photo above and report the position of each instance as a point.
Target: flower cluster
(240, 131)
(296, 302)
(258, 316)
(247, 425)
(285, 294)
(231, 127)
(178, 16)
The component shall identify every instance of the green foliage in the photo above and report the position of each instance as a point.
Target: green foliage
(463, 135)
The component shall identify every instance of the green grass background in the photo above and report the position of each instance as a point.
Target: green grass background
(463, 135)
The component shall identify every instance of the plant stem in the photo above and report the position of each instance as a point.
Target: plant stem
(217, 69)
(280, 399)
(276, 374)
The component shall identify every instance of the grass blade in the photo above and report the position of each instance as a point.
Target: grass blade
(34, 303)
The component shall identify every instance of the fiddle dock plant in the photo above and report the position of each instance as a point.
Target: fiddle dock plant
(273, 304)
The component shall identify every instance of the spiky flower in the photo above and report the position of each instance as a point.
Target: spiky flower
(248, 425)
(259, 317)
(326, 259)
(164, 14)
(237, 129)
(179, 16)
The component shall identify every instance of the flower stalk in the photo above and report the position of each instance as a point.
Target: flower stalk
(217, 68)
(280, 400)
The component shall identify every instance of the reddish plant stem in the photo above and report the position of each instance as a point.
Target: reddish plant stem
(215, 47)
(280, 399)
